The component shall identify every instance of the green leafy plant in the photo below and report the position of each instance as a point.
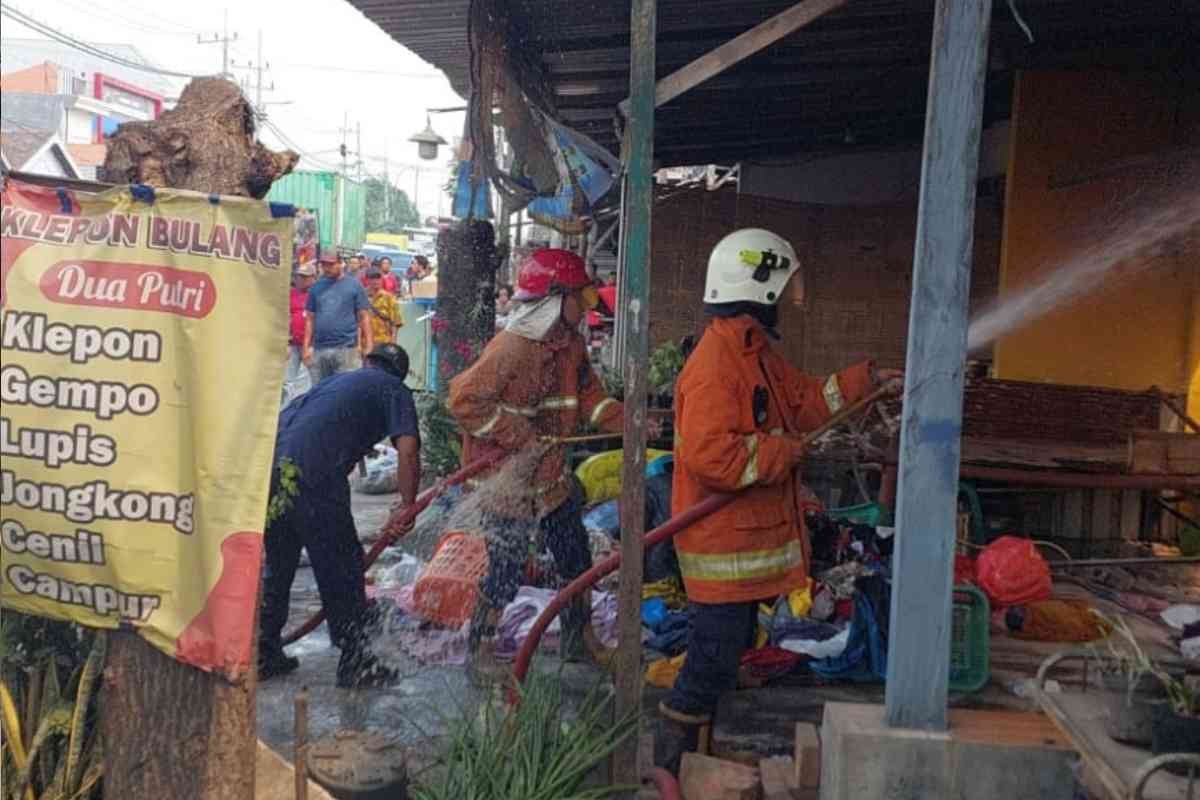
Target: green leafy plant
(613, 382)
(441, 447)
(50, 747)
(1122, 654)
(536, 750)
(287, 490)
(666, 362)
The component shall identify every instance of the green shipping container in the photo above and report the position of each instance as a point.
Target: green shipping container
(329, 195)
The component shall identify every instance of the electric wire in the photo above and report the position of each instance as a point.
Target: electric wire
(84, 47)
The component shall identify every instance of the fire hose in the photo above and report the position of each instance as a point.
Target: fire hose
(662, 533)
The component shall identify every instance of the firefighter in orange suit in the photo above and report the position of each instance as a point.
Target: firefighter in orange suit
(534, 380)
(740, 410)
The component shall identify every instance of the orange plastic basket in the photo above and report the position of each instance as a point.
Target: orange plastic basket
(447, 589)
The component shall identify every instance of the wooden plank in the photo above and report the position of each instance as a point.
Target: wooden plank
(1072, 515)
(1164, 453)
(1102, 527)
(635, 295)
(1081, 719)
(737, 49)
(1044, 454)
(1131, 515)
(918, 670)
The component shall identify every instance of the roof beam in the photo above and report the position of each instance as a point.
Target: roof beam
(738, 49)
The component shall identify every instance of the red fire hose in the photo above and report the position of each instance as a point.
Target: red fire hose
(401, 522)
(585, 581)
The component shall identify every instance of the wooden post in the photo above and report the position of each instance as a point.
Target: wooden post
(635, 287)
(930, 438)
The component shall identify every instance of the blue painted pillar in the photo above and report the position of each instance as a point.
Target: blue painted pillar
(930, 438)
(637, 201)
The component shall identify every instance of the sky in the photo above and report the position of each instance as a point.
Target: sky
(328, 63)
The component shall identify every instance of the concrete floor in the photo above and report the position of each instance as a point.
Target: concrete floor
(415, 711)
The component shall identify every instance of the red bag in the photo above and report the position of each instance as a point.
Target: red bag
(964, 570)
(1011, 571)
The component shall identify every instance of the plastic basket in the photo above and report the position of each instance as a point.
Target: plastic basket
(447, 589)
(969, 640)
(865, 514)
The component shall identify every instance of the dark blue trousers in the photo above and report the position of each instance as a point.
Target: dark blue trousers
(320, 522)
(718, 636)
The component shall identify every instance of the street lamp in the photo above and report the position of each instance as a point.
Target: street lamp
(427, 141)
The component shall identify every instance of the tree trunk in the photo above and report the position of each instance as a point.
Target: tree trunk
(466, 306)
(206, 144)
(169, 729)
(173, 731)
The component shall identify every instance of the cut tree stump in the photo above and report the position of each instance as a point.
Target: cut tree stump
(205, 144)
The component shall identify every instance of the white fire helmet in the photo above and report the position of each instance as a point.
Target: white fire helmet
(750, 265)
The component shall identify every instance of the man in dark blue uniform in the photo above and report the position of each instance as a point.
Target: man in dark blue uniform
(322, 436)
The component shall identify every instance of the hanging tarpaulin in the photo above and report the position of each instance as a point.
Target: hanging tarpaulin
(587, 173)
(472, 193)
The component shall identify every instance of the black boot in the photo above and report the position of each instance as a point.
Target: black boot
(358, 668)
(678, 733)
(272, 662)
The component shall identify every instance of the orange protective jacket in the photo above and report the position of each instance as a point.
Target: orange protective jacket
(521, 389)
(755, 547)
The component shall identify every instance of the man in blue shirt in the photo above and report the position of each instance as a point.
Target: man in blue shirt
(322, 435)
(337, 326)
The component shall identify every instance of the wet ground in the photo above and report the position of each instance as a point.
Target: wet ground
(415, 711)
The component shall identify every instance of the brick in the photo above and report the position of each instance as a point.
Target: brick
(707, 778)
(778, 775)
(808, 756)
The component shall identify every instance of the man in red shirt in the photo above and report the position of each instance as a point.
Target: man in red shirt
(296, 379)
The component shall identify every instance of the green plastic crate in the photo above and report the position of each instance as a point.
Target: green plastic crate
(865, 514)
(969, 640)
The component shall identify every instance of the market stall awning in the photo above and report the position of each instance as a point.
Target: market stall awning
(855, 78)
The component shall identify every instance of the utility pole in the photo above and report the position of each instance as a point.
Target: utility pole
(224, 39)
(345, 130)
(358, 149)
(257, 68)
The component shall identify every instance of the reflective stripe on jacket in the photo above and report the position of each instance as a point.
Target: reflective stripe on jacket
(756, 547)
(521, 389)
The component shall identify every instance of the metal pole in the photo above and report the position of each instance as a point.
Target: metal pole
(638, 199)
(918, 660)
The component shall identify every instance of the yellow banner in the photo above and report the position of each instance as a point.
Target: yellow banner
(141, 341)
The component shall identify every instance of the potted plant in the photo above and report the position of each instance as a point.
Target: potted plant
(1131, 688)
(1176, 725)
(666, 362)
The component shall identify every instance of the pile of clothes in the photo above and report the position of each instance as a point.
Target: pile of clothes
(834, 627)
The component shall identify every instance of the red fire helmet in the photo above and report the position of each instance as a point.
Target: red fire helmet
(547, 271)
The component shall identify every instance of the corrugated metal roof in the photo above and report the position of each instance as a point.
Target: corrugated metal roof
(855, 78)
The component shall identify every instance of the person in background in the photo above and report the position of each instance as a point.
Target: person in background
(390, 283)
(296, 380)
(357, 262)
(385, 311)
(611, 280)
(503, 298)
(503, 304)
(741, 411)
(322, 434)
(337, 329)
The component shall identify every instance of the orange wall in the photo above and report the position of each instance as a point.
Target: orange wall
(42, 79)
(1130, 333)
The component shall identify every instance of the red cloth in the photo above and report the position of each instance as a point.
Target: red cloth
(296, 322)
(608, 296)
